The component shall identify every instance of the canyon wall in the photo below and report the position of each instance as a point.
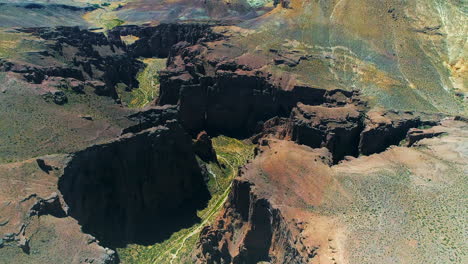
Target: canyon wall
(126, 190)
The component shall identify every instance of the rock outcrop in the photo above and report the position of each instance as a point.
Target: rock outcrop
(89, 56)
(383, 129)
(203, 147)
(230, 96)
(414, 135)
(135, 184)
(235, 95)
(336, 128)
(157, 41)
(34, 225)
(252, 224)
(92, 57)
(151, 117)
(258, 222)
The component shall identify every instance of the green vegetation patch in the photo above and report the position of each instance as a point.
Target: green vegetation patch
(30, 126)
(231, 153)
(112, 23)
(149, 85)
(14, 44)
(258, 3)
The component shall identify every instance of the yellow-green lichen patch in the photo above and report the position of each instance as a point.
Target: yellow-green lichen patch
(129, 39)
(14, 45)
(105, 16)
(148, 88)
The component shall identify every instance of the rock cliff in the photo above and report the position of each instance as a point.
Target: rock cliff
(135, 184)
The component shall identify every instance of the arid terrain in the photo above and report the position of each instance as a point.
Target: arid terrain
(233, 131)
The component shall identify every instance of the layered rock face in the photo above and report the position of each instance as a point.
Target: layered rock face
(252, 224)
(92, 57)
(230, 96)
(99, 61)
(157, 41)
(135, 184)
(337, 129)
(383, 129)
(258, 222)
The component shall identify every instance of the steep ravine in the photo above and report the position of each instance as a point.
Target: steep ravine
(80, 57)
(249, 229)
(235, 97)
(137, 189)
(232, 98)
(147, 184)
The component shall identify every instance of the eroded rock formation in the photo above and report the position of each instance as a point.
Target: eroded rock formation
(158, 41)
(336, 128)
(231, 96)
(149, 177)
(135, 184)
(255, 224)
(99, 61)
(203, 147)
(252, 224)
(383, 129)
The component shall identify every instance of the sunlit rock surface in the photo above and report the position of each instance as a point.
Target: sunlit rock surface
(348, 118)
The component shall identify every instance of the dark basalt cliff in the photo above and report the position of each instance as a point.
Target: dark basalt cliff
(101, 61)
(146, 180)
(146, 184)
(227, 97)
(203, 147)
(157, 41)
(336, 128)
(247, 231)
(135, 185)
(235, 97)
(383, 129)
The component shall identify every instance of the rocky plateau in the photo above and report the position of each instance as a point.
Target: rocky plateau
(355, 111)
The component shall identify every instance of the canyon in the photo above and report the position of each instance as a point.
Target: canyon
(250, 152)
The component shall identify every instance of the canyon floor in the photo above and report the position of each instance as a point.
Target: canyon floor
(233, 131)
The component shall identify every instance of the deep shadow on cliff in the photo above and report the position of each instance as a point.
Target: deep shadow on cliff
(139, 188)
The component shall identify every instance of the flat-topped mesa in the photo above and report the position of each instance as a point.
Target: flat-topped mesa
(135, 184)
